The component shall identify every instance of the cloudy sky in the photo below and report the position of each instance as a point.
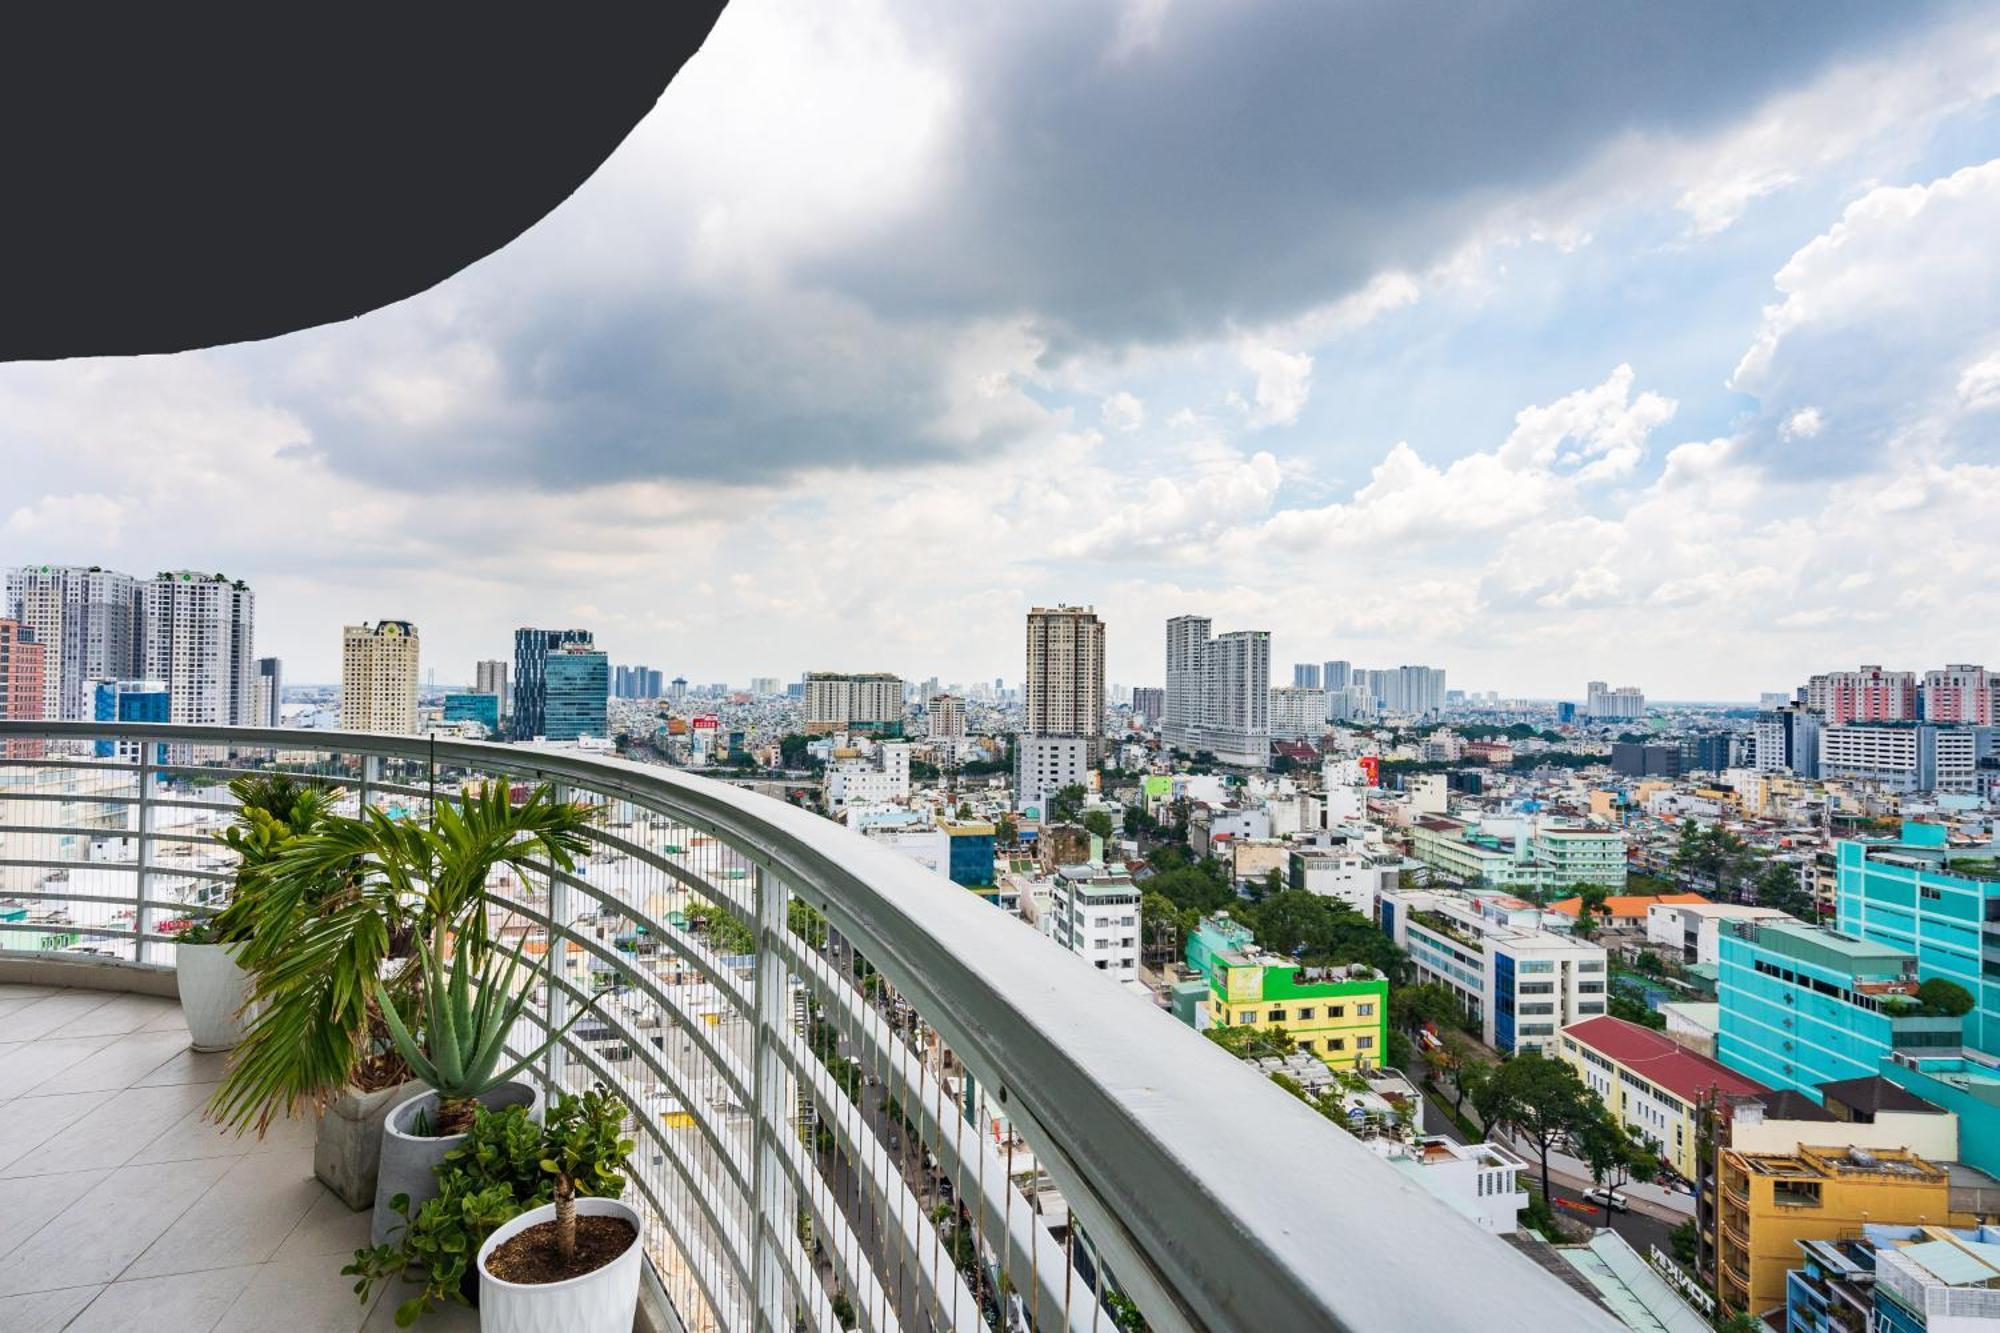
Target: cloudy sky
(1542, 341)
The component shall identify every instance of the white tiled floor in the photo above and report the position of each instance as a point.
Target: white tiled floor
(121, 1209)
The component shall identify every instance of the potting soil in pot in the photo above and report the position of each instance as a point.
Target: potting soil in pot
(530, 1259)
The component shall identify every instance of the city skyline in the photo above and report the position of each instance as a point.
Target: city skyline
(1618, 395)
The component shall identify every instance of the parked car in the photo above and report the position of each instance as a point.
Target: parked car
(1601, 1197)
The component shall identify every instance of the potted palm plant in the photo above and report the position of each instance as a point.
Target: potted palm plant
(338, 924)
(214, 983)
(470, 1006)
(571, 1265)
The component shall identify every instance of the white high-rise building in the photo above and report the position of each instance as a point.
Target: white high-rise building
(838, 701)
(1187, 643)
(947, 717)
(1297, 713)
(1094, 913)
(87, 621)
(1063, 691)
(1044, 765)
(1237, 721)
(1417, 690)
(198, 634)
(378, 677)
(1219, 692)
(1606, 704)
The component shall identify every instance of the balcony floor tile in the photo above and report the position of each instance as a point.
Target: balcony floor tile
(44, 1311)
(190, 1301)
(120, 1208)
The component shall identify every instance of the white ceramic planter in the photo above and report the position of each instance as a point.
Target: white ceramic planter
(408, 1162)
(599, 1302)
(213, 991)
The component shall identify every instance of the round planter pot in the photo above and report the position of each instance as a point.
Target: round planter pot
(409, 1163)
(599, 1302)
(213, 992)
(347, 1147)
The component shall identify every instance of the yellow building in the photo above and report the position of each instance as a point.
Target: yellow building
(1766, 1203)
(1340, 1013)
(1650, 1082)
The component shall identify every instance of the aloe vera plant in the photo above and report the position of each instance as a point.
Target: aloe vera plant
(470, 1004)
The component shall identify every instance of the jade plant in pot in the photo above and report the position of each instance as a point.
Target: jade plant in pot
(506, 1166)
(209, 964)
(570, 1265)
(340, 917)
(470, 1006)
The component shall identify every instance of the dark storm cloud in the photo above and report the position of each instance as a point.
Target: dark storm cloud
(1259, 160)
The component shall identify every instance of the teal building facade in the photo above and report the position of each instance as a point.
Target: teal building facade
(1803, 1005)
(1939, 903)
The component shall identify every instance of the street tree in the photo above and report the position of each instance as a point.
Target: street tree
(1612, 1153)
(1543, 1101)
(1429, 1003)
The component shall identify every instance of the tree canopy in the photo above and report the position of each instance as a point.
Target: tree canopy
(1321, 930)
(1945, 997)
(1539, 1098)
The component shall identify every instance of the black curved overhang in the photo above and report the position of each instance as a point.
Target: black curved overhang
(176, 176)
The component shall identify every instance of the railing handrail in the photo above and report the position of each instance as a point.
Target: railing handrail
(1218, 1199)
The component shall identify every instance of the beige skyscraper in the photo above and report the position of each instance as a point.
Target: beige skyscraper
(1064, 694)
(378, 677)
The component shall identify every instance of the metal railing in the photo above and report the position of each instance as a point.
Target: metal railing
(898, 1108)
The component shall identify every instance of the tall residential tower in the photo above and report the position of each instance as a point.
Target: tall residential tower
(1219, 692)
(198, 635)
(378, 677)
(86, 620)
(1063, 692)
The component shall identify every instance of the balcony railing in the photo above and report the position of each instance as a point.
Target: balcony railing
(933, 1116)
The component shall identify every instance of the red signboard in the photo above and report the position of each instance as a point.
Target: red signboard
(1371, 768)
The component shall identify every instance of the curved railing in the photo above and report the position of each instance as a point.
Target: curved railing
(901, 1109)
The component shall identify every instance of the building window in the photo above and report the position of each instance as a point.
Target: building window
(1336, 1011)
(1364, 1011)
(1277, 1016)
(1336, 1043)
(1364, 1043)
(1306, 1013)
(1795, 1193)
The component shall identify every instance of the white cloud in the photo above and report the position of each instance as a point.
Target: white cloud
(1284, 382)
(1979, 385)
(1898, 253)
(1802, 424)
(1124, 412)
(1541, 470)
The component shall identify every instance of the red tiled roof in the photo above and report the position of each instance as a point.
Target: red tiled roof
(1658, 1058)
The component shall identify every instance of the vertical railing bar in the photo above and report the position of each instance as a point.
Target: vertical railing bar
(768, 901)
(555, 954)
(143, 842)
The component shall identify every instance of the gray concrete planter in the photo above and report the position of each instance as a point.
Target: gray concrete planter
(347, 1149)
(409, 1163)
